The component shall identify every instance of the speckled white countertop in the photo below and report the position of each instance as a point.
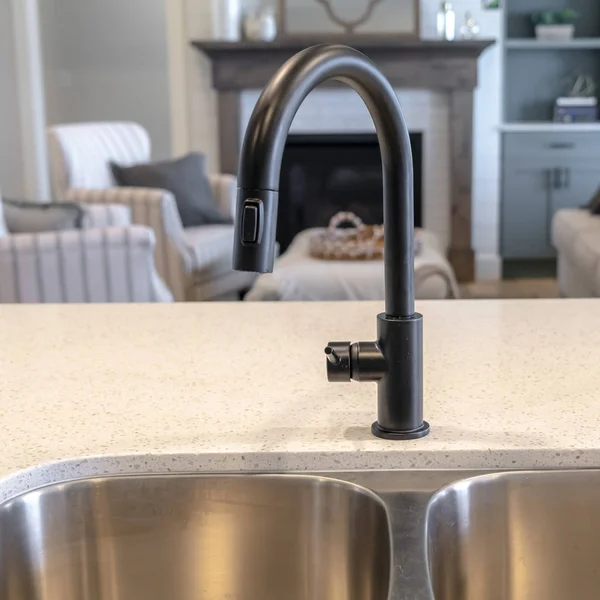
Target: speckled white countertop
(92, 390)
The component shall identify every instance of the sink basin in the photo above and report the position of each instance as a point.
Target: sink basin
(516, 536)
(254, 537)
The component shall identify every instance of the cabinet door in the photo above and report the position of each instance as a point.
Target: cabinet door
(526, 210)
(575, 184)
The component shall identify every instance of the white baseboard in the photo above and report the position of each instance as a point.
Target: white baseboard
(488, 267)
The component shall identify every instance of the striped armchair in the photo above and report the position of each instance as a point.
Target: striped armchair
(108, 260)
(195, 262)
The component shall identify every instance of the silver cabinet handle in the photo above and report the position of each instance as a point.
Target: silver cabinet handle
(549, 193)
(561, 146)
(557, 178)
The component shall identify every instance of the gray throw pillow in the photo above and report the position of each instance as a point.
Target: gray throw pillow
(37, 217)
(594, 204)
(185, 178)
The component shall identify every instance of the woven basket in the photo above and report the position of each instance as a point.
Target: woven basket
(357, 242)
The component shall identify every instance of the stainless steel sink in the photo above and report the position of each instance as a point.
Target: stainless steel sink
(260, 537)
(517, 536)
(361, 535)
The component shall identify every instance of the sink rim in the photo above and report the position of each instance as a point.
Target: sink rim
(321, 478)
(503, 474)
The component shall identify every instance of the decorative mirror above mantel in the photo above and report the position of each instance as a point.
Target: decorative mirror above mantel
(349, 17)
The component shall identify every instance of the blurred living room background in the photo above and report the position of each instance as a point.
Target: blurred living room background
(121, 123)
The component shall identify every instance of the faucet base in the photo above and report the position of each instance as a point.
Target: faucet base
(415, 434)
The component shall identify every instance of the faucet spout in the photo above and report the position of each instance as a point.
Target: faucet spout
(395, 360)
(262, 152)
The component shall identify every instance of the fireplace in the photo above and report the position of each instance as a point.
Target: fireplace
(327, 173)
(443, 69)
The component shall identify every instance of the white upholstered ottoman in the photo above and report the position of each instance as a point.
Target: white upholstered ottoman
(298, 276)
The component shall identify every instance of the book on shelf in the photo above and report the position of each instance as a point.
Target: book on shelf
(577, 101)
(576, 110)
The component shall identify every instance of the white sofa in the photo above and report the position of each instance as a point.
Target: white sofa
(576, 237)
(108, 260)
(196, 262)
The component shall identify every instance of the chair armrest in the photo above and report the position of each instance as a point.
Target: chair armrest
(155, 209)
(150, 207)
(93, 265)
(225, 190)
(98, 216)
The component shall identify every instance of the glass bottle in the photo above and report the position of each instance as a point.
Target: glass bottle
(470, 28)
(227, 16)
(446, 22)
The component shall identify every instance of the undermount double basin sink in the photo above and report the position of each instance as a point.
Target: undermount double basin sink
(409, 535)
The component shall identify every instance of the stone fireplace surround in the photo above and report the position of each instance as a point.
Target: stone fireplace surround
(435, 83)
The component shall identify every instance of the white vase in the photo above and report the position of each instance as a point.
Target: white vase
(261, 27)
(227, 20)
(554, 33)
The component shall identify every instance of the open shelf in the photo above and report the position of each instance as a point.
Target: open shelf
(535, 44)
(519, 25)
(533, 81)
(544, 126)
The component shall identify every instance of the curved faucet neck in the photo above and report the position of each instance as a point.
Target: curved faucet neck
(262, 153)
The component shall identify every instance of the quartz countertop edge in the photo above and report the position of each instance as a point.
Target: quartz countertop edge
(189, 463)
(92, 391)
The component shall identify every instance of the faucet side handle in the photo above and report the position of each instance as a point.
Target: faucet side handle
(360, 361)
(339, 368)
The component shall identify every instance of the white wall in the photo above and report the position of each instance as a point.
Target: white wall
(11, 171)
(486, 175)
(202, 102)
(107, 60)
(487, 155)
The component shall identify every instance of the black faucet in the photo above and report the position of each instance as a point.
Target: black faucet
(395, 360)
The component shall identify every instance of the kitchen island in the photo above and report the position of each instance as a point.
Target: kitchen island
(121, 389)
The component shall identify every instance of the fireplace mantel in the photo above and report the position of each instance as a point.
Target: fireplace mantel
(449, 67)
